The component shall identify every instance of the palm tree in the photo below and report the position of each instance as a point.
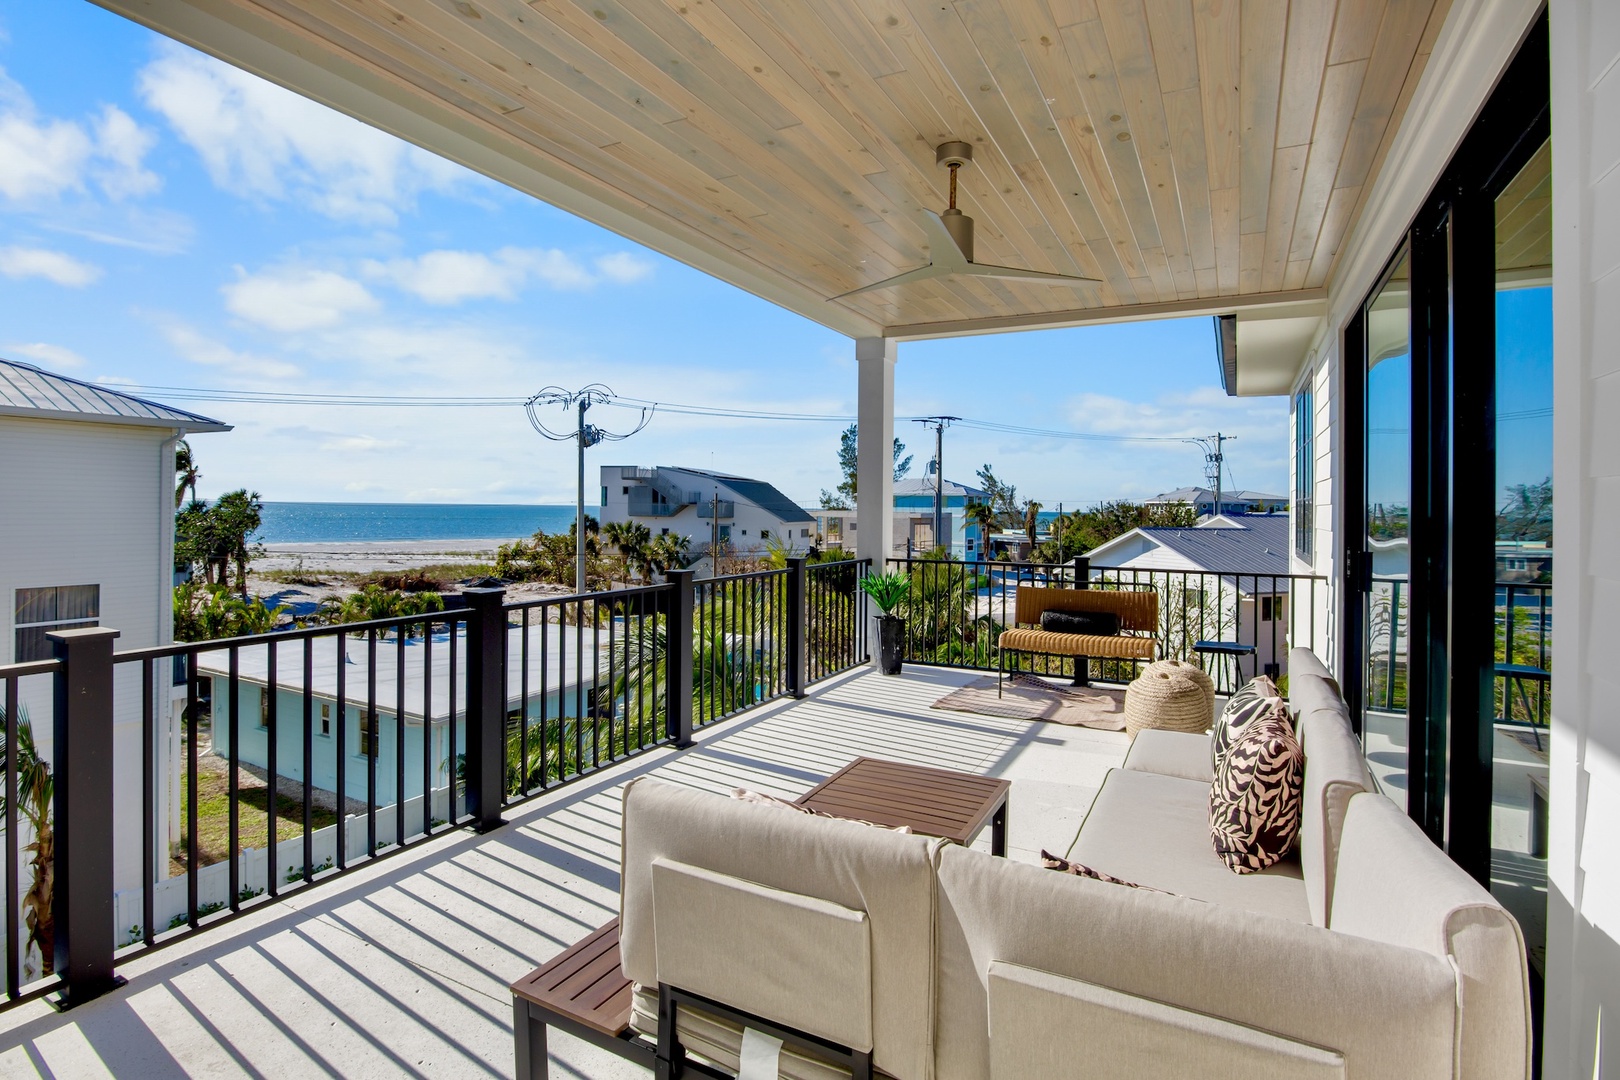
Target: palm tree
(186, 472)
(35, 790)
(631, 538)
(1032, 521)
(984, 517)
(667, 552)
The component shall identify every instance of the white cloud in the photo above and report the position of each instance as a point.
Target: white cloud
(52, 356)
(451, 277)
(121, 144)
(208, 352)
(351, 444)
(623, 268)
(261, 141)
(44, 157)
(65, 270)
(293, 300)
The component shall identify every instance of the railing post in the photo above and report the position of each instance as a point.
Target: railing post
(798, 627)
(82, 907)
(486, 707)
(1082, 572)
(678, 640)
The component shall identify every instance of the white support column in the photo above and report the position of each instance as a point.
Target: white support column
(874, 472)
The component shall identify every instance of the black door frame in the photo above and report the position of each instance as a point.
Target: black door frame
(1452, 526)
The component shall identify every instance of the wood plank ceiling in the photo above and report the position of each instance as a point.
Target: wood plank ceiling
(1177, 150)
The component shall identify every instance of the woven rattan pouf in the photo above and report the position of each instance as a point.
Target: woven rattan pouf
(1171, 695)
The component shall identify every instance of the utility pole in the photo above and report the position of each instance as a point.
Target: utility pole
(939, 424)
(1213, 457)
(584, 436)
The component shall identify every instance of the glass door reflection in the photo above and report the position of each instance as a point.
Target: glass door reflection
(1388, 472)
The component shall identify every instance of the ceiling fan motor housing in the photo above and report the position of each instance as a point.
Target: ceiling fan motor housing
(953, 153)
(960, 226)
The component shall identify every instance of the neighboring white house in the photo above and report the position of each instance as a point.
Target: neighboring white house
(1225, 579)
(705, 506)
(1232, 502)
(913, 520)
(87, 539)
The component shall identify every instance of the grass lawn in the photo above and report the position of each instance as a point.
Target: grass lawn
(253, 800)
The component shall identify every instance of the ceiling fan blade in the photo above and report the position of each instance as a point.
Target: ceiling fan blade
(942, 245)
(922, 273)
(990, 270)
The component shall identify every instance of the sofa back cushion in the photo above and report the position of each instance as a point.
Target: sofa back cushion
(1113, 1033)
(811, 959)
(1395, 886)
(1334, 772)
(1388, 1011)
(887, 876)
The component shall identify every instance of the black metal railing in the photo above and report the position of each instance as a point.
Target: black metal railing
(837, 624)
(957, 610)
(277, 761)
(1523, 615)
(25, 696)
(739, 653)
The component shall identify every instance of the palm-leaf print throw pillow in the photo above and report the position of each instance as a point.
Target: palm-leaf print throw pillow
(1254, 803)
(1242, 707)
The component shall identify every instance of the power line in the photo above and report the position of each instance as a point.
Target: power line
(256, 397)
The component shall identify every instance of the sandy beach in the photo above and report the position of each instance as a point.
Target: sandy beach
(363, 557)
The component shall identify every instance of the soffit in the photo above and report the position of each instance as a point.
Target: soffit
(1201, 156)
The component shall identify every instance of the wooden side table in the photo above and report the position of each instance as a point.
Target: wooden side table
(934, 802)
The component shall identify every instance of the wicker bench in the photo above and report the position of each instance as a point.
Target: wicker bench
(1138, 611)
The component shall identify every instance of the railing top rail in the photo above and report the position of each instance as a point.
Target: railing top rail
(183, 648)
(988, 565)
(30, 667)
(829, 563)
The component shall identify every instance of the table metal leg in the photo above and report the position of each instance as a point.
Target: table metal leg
(998, 830)
(529, 1038)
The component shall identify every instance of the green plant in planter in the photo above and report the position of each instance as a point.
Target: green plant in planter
(888, 591)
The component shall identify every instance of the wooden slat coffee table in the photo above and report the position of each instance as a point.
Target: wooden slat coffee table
(935, 802)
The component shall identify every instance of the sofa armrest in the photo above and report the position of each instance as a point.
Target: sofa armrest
(1389, 1011)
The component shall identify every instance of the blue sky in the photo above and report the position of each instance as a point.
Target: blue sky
(168, 221)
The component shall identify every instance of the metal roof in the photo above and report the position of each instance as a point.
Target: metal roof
(925, 486)
(26, 390)
(1198, 494)
(763, 495)
(1234, 544)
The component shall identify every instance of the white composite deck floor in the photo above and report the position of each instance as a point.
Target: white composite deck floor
(401, 969)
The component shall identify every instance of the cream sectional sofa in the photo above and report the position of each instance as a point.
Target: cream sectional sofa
(1371, 956)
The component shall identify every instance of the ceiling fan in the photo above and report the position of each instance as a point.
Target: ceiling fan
(950, 238)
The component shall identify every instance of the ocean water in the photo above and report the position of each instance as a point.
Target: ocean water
(302, 523)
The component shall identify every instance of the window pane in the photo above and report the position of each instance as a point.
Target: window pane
(78, 602)
(35, 606)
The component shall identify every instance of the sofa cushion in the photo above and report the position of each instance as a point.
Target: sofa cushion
(887, 875)
(1122, 1032)
(1251, 701)
(1154, 830)
(1395, 886)
(1390, 1011)
(819, 975)
(1334, 772)
(1080, 622)
(1254, 801)
(1170, 753)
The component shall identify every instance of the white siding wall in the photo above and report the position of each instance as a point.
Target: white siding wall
(1314, 625)
(91, 503)
(1583, 916)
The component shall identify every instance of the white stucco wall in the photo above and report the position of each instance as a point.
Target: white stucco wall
(747, 526)
(1583, 916)
(90, 503)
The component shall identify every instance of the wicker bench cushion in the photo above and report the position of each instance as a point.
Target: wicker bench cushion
(1121, 646)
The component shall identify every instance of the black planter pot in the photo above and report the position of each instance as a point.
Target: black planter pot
(891, 643)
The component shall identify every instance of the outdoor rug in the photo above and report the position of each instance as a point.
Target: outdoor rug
(1025, 697)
